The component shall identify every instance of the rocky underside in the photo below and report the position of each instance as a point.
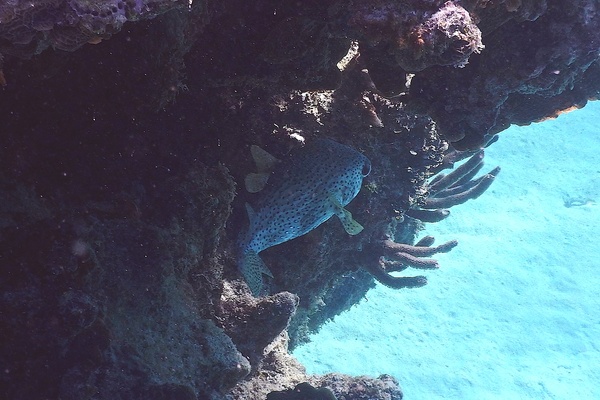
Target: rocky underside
(125, 132)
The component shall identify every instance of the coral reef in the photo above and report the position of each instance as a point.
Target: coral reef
(29, 27)
(457, 187)
(108, 293)
(281, 377)
(506, 84)
(387, 256)
(418, 34)
(122, 164)
(302, 391)
(444, 191)
(254, 323)
(362, 387)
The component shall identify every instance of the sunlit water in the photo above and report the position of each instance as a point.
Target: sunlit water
(514, 311)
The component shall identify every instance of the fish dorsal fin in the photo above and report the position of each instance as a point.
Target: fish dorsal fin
(265, 162)
(350, 225)
(255, 182)
(251, 213)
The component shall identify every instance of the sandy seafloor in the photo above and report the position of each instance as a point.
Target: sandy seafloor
(514, 310)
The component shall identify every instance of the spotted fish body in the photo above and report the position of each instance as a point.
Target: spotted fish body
(317, 182)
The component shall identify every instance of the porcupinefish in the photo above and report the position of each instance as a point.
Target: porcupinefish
(317, 182)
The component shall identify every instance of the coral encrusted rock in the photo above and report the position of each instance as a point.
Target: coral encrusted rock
(29, 27)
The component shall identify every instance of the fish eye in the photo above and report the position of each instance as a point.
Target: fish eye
(366, 168)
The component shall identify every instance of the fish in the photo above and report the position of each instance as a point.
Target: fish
(315, 183)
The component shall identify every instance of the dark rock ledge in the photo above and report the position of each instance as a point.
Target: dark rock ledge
(125, 128)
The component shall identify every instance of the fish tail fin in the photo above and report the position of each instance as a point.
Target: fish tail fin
(252, 268)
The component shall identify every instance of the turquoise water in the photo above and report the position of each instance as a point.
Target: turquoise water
(514, 311)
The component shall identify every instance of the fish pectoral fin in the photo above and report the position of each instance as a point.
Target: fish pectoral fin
(265, 162)
(350, 225)
(255, 182)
